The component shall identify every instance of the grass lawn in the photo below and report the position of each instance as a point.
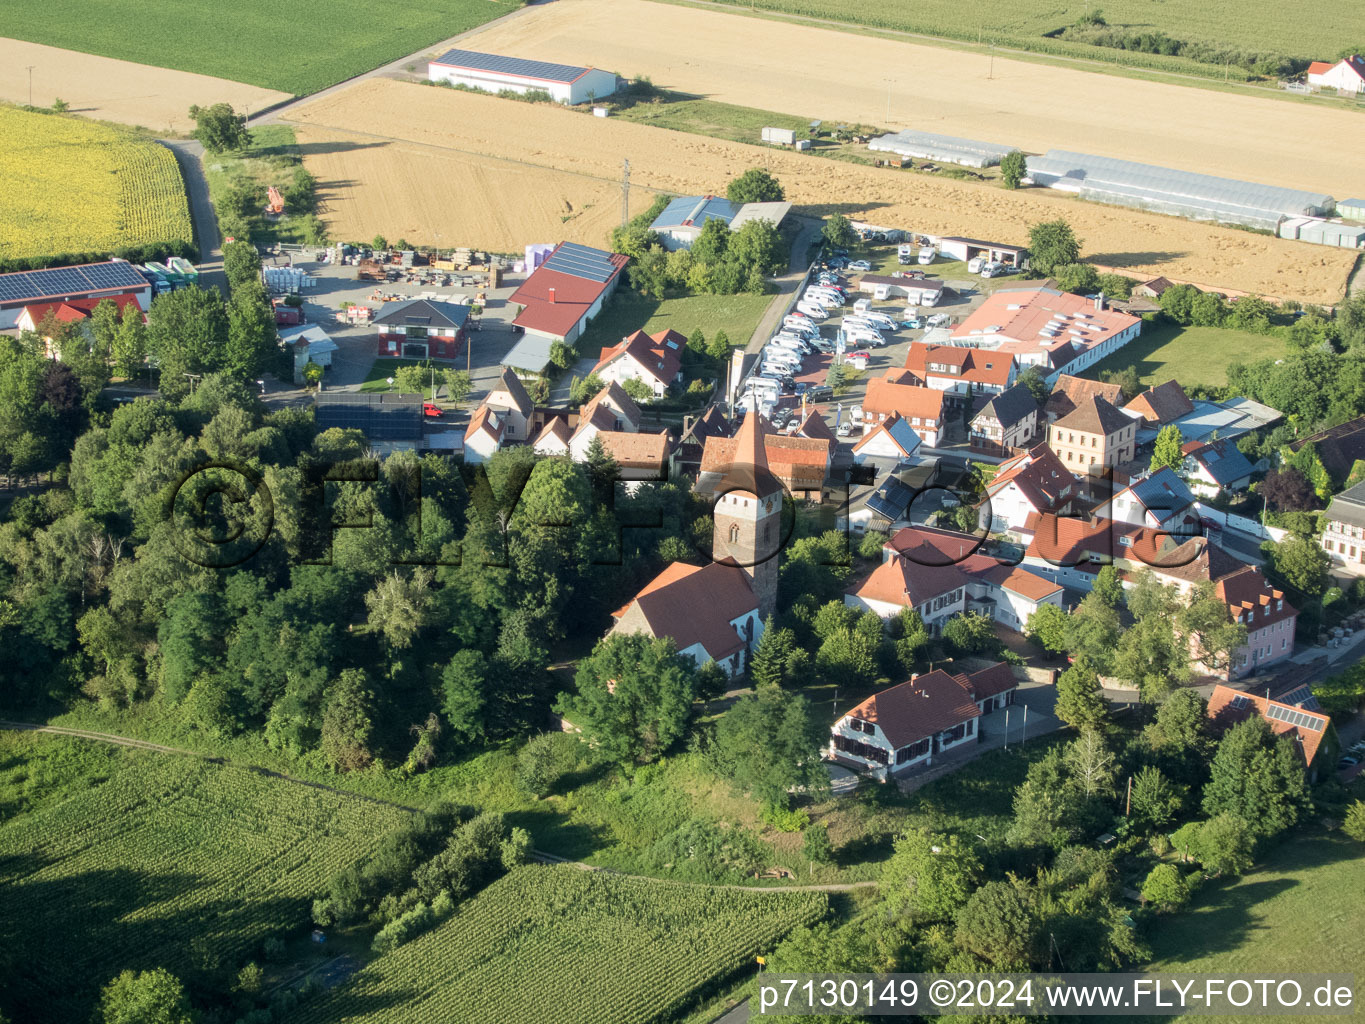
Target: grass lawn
(1192, 355)
(1299, 911)
(269, 160)
(378, 377)
(736, 315)
(323, 41)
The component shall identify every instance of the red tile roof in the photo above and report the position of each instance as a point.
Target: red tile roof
(1227, 707)
(659, 355)
(572, 297)
(1080, 543)
(980, 366)
(1252, 600)
(636, 451)
(885, 397)
(918, 708)
(75, 310)
(1320, 67)
(696, 604)
(486, 421)
(990, 681)
(1162, 404)
(1041, 477)
(1017, 318)
(1094, 415)
(1069, 391)
(613, 397)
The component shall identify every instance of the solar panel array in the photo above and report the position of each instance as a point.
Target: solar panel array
(57, 282)
(582, 261)
(891, 500)
(1295, 717)
(1301, 697)
(379, 417)
(510, 65)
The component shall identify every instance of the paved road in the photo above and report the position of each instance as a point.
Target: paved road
(189, 155)
(786, 284)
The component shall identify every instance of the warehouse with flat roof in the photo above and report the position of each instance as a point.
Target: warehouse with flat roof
(491, 72)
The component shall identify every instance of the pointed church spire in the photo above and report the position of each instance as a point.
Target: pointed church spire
(749, 469)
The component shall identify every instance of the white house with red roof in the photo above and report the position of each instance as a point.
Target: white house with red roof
(960, 371)
(68, 284)
(921, 407)
(1028, 484)
(502, 417)
(654, 359)
(492, 72)
(484, 434)
(614, 418)
(1346, 75)
(71, 311)
(560, 297)
(905, 726)
(892, 438)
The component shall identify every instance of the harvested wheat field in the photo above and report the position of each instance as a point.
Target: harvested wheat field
(826, 73)
(119, 90)
(436, 160)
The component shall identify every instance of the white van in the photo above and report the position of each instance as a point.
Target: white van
(791, 345)
(779, 356)
(975, 264)
(813, 309)
(825, 296)
(881, 321)
(926, 256)
(800, 325)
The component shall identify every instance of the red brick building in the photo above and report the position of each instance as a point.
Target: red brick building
(422, 329)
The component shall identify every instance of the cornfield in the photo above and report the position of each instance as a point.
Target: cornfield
(75, 189)
(570, 946)
(172, 862)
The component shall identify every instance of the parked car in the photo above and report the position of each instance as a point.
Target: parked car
(433, 411)
(861, 353)
(845, 429)
(819, 393)
(822, 345)
(856, 412)
(860, 265)
(975, 264)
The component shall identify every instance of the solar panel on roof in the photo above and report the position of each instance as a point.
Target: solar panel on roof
(1295, 718)
(582, 262)
(517, 66)
(55, 282)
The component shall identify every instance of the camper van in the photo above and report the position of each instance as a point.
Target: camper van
(926, 256)
(975, 264)
(905, 253)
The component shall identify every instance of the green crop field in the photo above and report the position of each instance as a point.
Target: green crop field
(163, 860)
(77, 190)
(299, 47)
(1303, 30)
(1298, 912)
(1192, 355)
(573, 947)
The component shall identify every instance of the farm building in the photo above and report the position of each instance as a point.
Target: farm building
(945, 148)
(70, 284)
(422, 329)
(969, 248)
(1351, 209)
(1047, 328)
(491, 72)
(1323, 232)
(390, 423)
(1346, 75)
(558, 300)
(681, 221)
(309, 344)
(75, 311)
(1179, 193)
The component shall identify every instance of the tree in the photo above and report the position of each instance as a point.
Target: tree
(458, 384)
(1165, 888)
(130, 343)
(347, 725)
(241, 263)
(1299, 564)
(755, 186)
(187, 332)
(970, 632)
(930, 875)
(1223, 843)
(638, 389)
(712, 243)
(1182, 720)
(1108, 586)
(399, 606)
(815, 844)
(1354, 823)
(1093, 632)
(584, 388)
(145, 997)
(1080, 278)
(1091, 763)
(768, 744)
(634, 697)
(719, 347)
(1256, 777)
(1052, 244)
(1177, 302)
(775, 657)
(410, 380)
(1045, 807)
(218, 129)
(999, 923)
(1287, 490)
(1351, 321)
(1079, 701)
(847, 655)
(104, 321)
(1034, 378)
(1130, 384)
(1155, 800)
(252, 336)
(1151, 656)
(1166, 451)
(756, 250)
(1206, 621)
(561, 355)
(837, 232)
(1013, 168)
(464, 689)
(1047, 627)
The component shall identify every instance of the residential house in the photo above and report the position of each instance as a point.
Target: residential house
(69, 312)
(485, 434)
(1159, 500)
(654, 360)
(1346, 75)
(509, 398)
(799, 464)
(1343, 538)
(559, 298)
(1151, 289)
(1069, 392)
(960, 372)
(680, 223)
(1027, 485)
(56, 285)
(686, 457)
(893, 438)
(907, 725)
(613, 418)
(1160, 405)
(1212, 468)
(421, 329)
(309, 344)
(921, 407)
(1338, 447)
(1308, 729)
(1093, 437)
(1007, 421)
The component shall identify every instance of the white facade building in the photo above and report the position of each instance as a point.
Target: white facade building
(490, 72)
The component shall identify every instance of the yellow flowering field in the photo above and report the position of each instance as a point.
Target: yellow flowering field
(73, 188)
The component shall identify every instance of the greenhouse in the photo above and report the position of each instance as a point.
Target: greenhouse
(1179, 193)
(928, 146)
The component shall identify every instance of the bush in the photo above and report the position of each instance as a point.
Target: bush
(786, 820)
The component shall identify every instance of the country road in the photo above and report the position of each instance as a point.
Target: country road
(544, 858)
(189, 155)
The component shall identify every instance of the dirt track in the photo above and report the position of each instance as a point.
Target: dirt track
(118, 90)
(396, 157)
(824, 73)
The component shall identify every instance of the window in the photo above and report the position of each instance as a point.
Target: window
(863, 750)
(917, 749)
(734, 533)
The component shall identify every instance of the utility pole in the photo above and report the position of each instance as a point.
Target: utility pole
(1024, 737)
(889, 82)
(625, 191)
(193, 377)
(30, 83)
(1128, 803)
(1007, 728)
(990, 75)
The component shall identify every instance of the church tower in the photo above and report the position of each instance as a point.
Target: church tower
(747, 526)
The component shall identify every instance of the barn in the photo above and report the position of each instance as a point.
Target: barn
(491, 72)
(68, 284)
(558, 300)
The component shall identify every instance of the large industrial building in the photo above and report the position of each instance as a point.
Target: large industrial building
(491, 72)
(65, 284)
(558, 300)
(1179, 193)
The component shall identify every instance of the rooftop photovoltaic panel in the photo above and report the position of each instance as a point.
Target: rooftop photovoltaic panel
(60, 281)
(509, 65)
(1302, 697)
(379, 417)
(1296, 718)
(582, 261)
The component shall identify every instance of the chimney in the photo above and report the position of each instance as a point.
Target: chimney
(552, 296)
(1099, 301)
